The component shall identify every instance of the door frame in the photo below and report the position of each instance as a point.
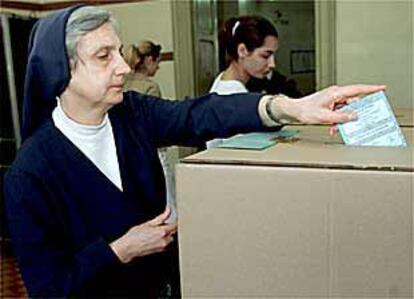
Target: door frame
(325, 43)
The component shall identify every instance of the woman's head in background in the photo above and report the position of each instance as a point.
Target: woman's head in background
(143, 57)
(250, 42)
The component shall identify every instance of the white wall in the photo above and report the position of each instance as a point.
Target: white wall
(375, 45)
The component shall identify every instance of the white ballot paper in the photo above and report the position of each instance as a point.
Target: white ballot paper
(376, 124)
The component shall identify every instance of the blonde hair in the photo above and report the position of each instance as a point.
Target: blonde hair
(134, 55)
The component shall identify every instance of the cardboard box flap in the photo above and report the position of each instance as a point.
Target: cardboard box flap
(404, 116)
(319, 135)
(314, 156)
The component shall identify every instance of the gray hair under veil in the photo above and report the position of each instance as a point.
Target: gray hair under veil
(82, 21)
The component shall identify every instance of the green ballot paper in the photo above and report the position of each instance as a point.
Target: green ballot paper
(257, 140)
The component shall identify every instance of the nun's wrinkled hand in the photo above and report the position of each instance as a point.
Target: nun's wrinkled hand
(150, 237)
(321, 107)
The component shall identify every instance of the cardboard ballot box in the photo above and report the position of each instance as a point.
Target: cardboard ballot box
(305, 218)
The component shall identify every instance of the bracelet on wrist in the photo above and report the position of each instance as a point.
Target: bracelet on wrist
(269, 111)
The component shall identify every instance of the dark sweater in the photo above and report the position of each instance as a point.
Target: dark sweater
(63, 212)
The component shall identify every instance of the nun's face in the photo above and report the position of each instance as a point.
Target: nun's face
(97, 79)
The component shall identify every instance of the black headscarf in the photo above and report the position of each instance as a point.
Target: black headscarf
(48, 71)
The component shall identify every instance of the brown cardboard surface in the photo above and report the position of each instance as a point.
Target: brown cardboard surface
(405, 116)
(257, 231)
(229, 234)
(307, 219)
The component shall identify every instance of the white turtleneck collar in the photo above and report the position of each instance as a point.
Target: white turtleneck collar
(95, 141)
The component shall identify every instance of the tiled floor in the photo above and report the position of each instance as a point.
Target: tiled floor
(11, 285)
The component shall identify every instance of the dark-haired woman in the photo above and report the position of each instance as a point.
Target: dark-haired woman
(250, 43)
